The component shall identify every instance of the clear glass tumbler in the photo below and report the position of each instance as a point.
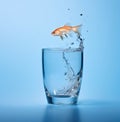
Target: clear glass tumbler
(62, 74)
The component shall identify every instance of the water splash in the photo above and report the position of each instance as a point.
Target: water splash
(73, 80)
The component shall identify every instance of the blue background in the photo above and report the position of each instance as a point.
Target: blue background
(25, 28)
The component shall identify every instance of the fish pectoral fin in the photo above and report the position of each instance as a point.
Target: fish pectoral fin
(61, 37)
(66, 35)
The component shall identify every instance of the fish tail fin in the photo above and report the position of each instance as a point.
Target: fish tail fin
(76, 29)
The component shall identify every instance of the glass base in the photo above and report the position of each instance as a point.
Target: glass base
(58, 100)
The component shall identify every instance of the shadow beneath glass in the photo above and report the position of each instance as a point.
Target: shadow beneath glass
(62, 113)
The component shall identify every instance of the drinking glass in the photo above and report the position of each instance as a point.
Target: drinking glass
(62, 74)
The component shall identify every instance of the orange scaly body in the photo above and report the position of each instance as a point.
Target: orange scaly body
(64, 30)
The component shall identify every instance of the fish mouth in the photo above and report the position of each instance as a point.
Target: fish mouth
(53, 33)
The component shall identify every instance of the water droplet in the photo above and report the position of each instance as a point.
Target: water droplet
(72, 43)
(65, 73)
(81, 14)
(68, 9)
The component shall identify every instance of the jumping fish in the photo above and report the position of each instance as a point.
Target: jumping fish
(64, 30)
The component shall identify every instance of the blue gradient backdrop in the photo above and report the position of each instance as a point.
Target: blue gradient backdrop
(25, 28)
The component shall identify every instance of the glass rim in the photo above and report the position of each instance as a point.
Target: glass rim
(62, 49)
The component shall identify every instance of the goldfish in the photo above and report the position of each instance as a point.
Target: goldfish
(65, 30)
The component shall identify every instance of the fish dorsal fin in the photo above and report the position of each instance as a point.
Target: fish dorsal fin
(67, 24)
